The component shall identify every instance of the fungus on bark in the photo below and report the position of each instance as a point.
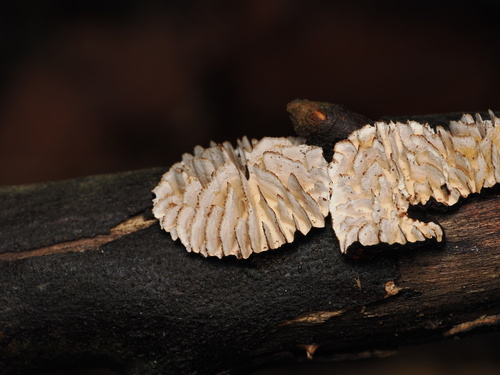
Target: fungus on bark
(382, 169)
(227, 200)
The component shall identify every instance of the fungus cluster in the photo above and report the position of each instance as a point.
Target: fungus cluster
(382, 169)
(226, 200)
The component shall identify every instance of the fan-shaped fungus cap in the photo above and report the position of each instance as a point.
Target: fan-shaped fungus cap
(227, 200)
(380, 170)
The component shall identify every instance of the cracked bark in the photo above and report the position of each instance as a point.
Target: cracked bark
(88, 278)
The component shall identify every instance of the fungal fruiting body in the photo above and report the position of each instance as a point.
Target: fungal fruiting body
(382, 169)
(226, 200)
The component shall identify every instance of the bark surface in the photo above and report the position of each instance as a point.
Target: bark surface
(88, 278)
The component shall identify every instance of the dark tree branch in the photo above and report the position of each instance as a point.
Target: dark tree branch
(89, 278)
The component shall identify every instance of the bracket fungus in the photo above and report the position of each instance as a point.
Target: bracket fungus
(226, 200)
(382, 169)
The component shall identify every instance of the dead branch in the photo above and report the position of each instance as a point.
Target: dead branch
(88, 277)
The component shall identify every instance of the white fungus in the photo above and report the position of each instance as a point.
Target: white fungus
(382, 169)
(226, 200)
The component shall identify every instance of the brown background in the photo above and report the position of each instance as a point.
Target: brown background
(92, 87)
(103, 86)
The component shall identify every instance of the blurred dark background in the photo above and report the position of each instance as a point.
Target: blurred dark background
(91, 87)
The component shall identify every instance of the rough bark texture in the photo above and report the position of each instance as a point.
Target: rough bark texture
(88, 278)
